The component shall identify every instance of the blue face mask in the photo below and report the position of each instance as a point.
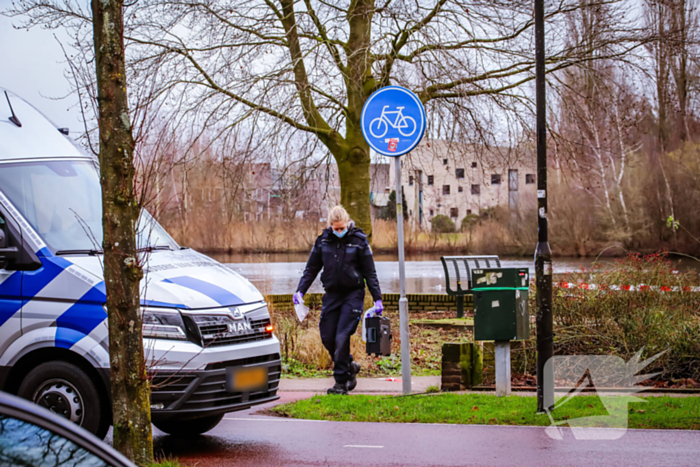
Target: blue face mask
(340, 234)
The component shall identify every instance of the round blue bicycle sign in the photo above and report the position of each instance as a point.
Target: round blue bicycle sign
(393, 121)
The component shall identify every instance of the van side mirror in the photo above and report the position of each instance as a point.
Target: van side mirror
(8, 254)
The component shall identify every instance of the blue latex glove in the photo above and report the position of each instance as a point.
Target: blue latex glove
(378, 307)
(298, 298)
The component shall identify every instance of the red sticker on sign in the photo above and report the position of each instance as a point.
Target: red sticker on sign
(393, 142)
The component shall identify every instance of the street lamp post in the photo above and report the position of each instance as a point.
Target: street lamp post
(543, 254)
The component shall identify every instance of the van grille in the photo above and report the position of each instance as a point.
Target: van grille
(218, 330)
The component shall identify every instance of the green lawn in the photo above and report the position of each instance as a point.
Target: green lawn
(487, 409)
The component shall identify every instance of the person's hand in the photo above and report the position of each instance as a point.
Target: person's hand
(378, 307)
(298, 298)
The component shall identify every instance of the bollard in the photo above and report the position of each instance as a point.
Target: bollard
(502, 368)
(462, 366)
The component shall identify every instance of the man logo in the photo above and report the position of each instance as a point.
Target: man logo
(240, 327)
(236, 313)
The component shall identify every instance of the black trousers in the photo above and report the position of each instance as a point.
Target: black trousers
(340, 315)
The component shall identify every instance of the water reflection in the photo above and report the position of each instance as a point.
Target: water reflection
(424, 273)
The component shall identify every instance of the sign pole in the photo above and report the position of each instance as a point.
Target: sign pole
(393, 123)
(543, 254)
(403, 301)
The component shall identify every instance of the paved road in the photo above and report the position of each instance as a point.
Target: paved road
(248, 439)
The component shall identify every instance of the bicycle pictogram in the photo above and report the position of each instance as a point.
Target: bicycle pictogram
(380, 125)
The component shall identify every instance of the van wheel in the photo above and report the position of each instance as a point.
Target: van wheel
(189, 427)
(68, 391)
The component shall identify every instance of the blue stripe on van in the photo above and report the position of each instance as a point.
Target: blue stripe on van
(8, 308)
(156, 303)
(44, 252)
(81, 318)
(34, 281)
(220, 295)
(10, 302)
(67, 338)
(27, 284)
(100, 295)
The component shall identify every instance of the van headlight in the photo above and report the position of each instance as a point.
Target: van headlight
(163, 324)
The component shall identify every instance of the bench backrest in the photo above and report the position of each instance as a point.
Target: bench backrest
(458, 271)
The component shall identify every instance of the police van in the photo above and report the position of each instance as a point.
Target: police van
(207, 331)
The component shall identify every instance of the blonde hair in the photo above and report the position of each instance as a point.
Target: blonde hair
(338, 214)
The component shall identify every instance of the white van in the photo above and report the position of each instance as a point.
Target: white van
(207, 331)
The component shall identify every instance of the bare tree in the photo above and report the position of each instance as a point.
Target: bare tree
(660, 16)
(684, 47)
(304, 69)
(597, 125)
(130, 390)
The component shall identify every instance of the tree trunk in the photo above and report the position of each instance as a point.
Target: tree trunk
(130, 388)
(662, 81)
(681, 67)
(353, 169)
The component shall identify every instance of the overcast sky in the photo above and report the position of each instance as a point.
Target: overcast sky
(32, 66)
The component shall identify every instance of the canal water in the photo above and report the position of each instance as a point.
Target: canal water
(280, 273)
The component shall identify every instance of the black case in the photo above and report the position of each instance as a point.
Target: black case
(378, 336)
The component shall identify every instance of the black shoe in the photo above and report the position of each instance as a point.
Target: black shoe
(339, 388)
(354, 370)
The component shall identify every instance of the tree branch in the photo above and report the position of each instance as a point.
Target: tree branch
(324, 38)
(216, 87)
(401, 39)
(311, 113)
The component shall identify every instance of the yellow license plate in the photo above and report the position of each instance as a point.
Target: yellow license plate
(246, 379)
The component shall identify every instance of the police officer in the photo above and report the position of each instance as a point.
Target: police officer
(344, 254)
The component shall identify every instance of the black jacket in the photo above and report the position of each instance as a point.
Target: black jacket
(347, 263)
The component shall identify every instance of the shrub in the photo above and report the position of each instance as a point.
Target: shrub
(442, 224)
(469, 221)
(621, 322)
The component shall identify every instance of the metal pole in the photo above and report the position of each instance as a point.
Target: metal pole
(543, 254)
(502, 351)
(403, 301)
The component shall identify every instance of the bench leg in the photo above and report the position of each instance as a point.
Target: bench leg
(460, 306)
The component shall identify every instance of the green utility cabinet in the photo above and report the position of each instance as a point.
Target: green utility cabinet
(501, 304)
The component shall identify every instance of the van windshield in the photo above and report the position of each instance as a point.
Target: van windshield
(62, 200)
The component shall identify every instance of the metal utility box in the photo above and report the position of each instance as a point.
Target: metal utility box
(501, 310)
(378, 336)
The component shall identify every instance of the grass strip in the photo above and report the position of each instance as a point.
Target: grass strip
(660, 412)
